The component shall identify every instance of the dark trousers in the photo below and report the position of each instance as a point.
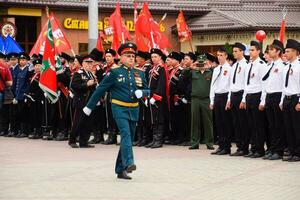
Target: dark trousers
(291, 120)
(239, 121)
(4, 118)
(176, 118)
(81, 127)
(125, 155)
(275, 127)
(13, 118)
(222, 120)
(256, 122)
(158, 115)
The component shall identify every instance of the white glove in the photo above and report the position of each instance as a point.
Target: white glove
(45, 94)
(146, 102)
(99, 103)
(138, 94)
(87, 111)
(176, 104)
(58, 93)
(152, 101)
(25, 100)
(71, 94)
(15, 101)
(184, 100)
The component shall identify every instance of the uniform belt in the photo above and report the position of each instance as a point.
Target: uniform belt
(291, 96)
(123, 103)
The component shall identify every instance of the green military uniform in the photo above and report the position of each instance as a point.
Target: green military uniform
(201, 114)
(123, 82)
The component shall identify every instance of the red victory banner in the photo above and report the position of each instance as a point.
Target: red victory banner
(120, 33)
(47, 80)
(184, 32)
(61, 42)
(150, 29)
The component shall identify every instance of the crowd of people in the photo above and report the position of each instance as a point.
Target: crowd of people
(253, 101)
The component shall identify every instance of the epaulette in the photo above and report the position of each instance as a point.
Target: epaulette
(137, 68)
(261, 62)
(115, 66)
(285, 63)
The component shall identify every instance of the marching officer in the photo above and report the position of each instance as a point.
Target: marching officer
(237, 85)
(273, 88)
(220, 86)
(83, 85)
(290, 100)
(201, 120)
(127, 85)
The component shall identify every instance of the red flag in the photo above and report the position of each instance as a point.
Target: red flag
(60, 40)
(99, 44)
(139, 39)
(152, 30)
(282, 30)
(184, 32)
(47, 81)
(119, 30)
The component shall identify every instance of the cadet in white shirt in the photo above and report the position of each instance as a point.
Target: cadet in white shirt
(252, 101)
(290, 101)
(237, 85)
(273, 88)
(219, 90)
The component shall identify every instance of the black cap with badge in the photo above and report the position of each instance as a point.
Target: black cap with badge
(292, 44)
(176, 56)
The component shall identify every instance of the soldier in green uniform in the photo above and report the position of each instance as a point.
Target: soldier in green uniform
(201, 114)
(127, 85)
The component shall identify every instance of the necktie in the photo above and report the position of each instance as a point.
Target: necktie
(218, 75)
(268, 73)
(234, 75)
(287, 76)
(249, 74)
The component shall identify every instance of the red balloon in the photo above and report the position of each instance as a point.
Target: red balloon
(260, 35)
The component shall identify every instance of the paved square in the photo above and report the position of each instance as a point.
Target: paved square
(49, 170)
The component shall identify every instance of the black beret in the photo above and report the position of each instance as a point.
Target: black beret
(182, 54)
(256, 44)
(211, 57)
(192, 56)
(88, 58)
(240, 46)
(98, 55)
(79, 59)
(34, 56)
(127, 47)
(157, 51)
(277, 44)
(292, 44)
(13, 56)
(37, 61)
(65, 56)
(175, 55)
(111, 51)
(143, 54)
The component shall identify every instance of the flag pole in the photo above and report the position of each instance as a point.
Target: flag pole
(191, 46)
